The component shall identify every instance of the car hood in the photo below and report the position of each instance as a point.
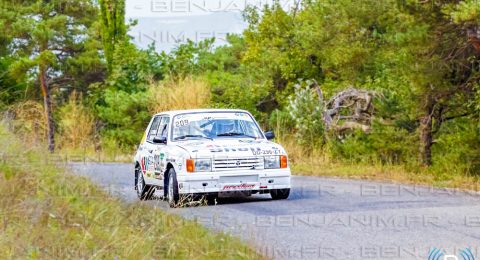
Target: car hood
(230, 148)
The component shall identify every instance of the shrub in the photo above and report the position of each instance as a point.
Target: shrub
(126, 116)
(306, 111)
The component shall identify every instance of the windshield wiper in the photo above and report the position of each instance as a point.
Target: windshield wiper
(192, 136)
(236, 134)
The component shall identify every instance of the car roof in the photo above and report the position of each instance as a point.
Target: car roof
(176, 112)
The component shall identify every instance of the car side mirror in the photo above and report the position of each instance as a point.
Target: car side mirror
(269, 135)
(159, 140)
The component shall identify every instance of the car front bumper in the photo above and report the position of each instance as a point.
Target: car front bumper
(231, 181)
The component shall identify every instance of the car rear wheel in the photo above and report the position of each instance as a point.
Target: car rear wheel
(280, 194)
(144, 192)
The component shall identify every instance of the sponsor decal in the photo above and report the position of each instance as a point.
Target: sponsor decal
(250, 141)
(158, 163)
(142, 164)
(239, 186)
(255, 150)
(147, 164)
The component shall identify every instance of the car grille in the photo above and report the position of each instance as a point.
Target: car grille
(231, 164)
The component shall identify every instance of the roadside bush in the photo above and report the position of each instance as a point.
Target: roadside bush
(281, 122)
(126, 116)
(384, 145)
(306, 112)
(457, 150)
(239, 90)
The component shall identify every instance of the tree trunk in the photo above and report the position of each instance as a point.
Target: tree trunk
(47, 103)
(426, 135)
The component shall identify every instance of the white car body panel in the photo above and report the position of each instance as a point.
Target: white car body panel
(237, 163)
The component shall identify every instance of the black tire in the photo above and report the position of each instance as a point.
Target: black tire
(165, 186)
(144, 192)
(280, 194)
(173, 196)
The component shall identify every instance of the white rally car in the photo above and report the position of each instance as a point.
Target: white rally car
(208, 152)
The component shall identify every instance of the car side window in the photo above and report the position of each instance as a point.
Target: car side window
(163, 129)
(154, 128)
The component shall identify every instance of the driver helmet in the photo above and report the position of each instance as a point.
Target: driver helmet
(226, 126)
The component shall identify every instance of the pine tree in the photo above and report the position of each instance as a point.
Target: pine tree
(113, 27)
(51, 44)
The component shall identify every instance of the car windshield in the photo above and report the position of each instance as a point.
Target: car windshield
(214, 126)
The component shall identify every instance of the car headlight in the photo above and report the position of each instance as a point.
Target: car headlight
(275, 162)
(199, 165)
(272, 162)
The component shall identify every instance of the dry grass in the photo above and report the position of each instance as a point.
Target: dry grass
(77, 124)
(46, 213)
(321, 163)
(29, 122)
(187, 93)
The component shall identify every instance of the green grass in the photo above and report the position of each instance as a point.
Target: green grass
(47, 213)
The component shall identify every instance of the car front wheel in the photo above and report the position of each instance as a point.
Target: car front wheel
(172, 189)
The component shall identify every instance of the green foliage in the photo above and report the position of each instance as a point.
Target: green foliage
(114, 31)
(231, 90)
(385, 145)
(11, 89)
(57, 42)
(187, 59)
(464, 12)
(135, 68)
(126, 115)
(457, 149)
(46, 43)
(122, 103)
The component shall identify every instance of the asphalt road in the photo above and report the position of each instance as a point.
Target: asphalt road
(327, 218)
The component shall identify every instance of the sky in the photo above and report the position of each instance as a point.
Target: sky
(169, 23)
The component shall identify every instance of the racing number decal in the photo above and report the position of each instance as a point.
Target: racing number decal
(181, 123)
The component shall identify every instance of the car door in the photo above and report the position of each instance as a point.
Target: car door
(148, 150)
(161, 150)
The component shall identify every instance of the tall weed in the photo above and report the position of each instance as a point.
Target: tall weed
(77, 123)
(186, 93)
